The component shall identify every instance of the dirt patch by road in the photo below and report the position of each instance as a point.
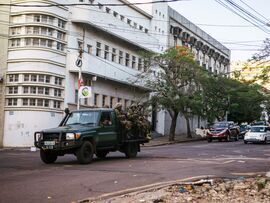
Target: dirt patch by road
(255, 189)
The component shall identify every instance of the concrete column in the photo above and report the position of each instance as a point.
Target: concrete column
(4, 32)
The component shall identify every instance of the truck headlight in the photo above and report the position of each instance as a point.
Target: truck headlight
(39, 136)
(70, 136)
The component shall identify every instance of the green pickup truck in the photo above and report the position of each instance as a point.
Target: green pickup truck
(88, 132)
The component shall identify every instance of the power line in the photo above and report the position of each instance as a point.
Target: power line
(92, 4)
(246, 18)
(254, 10)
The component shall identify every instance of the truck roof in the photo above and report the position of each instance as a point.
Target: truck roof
(93, 109)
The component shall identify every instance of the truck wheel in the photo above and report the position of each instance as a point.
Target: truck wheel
(131, 150)
(85, 153)
(101, 154)
(209, 139)
(47, 157)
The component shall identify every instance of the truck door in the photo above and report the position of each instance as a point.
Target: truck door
(107, 133)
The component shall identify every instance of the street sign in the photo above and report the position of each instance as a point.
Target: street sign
(79, 62)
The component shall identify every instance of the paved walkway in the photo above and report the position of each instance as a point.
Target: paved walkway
(164, 140)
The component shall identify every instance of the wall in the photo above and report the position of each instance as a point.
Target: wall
(21, 125)
(4, 30)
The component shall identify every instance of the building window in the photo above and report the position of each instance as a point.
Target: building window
(106, 53)
(32, 102)
(135, 25)
(127, 60)
(40, 102)
(60, 35)
(108, 10)
(111, 102)
(46, 103)
(133, 62)
(122, 17)
(140, 64)
(47, 91)
(12, 102)
(61, 23)
(25, 102)
(89, 49)
(120, 57)
(96, 99)
(57, 92)
(33, 78)
(15, 42)
(56, 104)
(25, 90)
(115, 14)
(40, 90)
(146, 30)
(113, 54)
(60, 46)
(13, 78)
(13, 90)
(37, 18)
(100, 6)
(104, 100)
(33, 90)
(98, 49)
(129, 21)
(58, 81)
(141, 27)
(41, 78)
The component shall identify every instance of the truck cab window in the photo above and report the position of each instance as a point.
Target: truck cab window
(106, 119)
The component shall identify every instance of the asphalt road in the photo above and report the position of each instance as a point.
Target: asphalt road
(24, 178)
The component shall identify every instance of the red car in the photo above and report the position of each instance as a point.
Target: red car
(225, 130)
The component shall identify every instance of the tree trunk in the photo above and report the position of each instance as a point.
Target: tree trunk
(174, 116)
(188, 127)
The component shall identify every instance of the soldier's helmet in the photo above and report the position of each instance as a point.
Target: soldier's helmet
(133, 106)
(118, 106)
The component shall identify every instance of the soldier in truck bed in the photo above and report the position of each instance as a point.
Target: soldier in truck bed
(125, 124)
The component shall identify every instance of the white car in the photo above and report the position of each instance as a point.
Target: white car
(257, 133)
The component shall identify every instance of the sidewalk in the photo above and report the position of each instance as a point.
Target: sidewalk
(164, 140)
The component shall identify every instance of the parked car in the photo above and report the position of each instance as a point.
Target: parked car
(260, 123)
(243, 130)
(225, 130)
(258, 133)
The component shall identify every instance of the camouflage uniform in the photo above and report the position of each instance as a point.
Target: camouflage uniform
(125, 124)
(143, 123)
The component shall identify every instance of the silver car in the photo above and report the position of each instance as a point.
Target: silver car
(258, 133)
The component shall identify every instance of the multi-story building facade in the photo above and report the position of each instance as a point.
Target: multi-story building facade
(38, 66)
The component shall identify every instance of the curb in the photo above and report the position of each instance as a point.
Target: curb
(174, 142)
(145, 188)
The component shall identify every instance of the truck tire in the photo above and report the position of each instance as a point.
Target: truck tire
(85, 153)
(131, 150)
(101, 154)
(209, 139)
(47, 157)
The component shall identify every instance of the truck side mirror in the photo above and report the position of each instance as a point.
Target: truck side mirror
(67, 111)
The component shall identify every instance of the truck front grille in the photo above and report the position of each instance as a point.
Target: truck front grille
(51, 136)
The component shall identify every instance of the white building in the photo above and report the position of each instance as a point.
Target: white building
(39, 71)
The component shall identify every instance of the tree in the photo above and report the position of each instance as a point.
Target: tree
(173, 77)
(246, 103)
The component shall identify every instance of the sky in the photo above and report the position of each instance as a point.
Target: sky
(211, 17)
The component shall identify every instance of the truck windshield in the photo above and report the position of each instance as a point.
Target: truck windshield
(89, 117)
